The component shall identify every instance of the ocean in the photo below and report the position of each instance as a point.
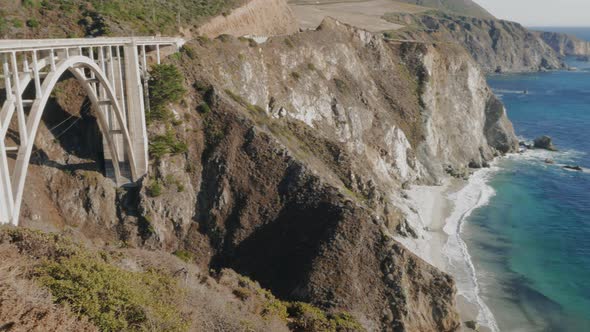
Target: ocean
(529, 238)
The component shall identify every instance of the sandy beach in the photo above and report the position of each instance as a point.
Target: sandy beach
(437, 213)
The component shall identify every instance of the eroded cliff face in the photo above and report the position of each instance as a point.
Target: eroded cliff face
(403, 111)
(496, 45)
(293, 171)
(256, 17)
(565, 44)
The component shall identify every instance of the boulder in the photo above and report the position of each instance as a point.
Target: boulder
(544, 142)
(474, 164)
(472, 325)
(549, 161)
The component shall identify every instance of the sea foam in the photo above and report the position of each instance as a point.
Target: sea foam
(475, 194)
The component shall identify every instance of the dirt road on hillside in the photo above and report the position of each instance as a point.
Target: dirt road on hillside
(364, 14)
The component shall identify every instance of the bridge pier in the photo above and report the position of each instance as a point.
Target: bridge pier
(110, 72)
(136, 108)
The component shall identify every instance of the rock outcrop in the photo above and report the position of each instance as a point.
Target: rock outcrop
(256, 18)
(496, 45)
(544, 142)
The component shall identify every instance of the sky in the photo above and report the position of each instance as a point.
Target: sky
(563, 13)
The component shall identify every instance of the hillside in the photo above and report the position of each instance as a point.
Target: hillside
(461, 7)
(496, 45)
(565, 44)
(79, 18)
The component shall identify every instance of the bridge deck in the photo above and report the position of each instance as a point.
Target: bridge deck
(9, 45)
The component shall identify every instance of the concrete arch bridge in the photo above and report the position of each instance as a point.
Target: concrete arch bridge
(113, 73)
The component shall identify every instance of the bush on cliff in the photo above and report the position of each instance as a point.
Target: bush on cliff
(305, 317)
(166, 85)
(113, 299)
(91, 284)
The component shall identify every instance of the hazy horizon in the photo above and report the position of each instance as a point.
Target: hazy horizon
(541, 13)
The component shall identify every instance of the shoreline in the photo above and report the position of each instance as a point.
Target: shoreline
(438, 214)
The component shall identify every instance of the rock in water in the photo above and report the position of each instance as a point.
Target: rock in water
(544, 142)
(574, 168)
(549, 161)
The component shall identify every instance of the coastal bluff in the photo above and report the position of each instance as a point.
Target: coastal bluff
(275, 198)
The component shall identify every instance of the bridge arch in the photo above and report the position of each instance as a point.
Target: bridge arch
(113, 73)
(77, 65)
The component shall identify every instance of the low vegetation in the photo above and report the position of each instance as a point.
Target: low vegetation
(94, 287)
(154, 189)
(306, 317)
(113, 299)
(116, 17)
(301, 316)
(184, 255)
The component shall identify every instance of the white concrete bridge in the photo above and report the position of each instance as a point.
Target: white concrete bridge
(112, 71)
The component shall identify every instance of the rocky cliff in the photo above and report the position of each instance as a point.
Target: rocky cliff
(565, 44)
(297, 151)
(496, 45)
(256, 17)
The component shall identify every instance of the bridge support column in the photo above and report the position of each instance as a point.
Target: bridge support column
(135, 108)
(5, 188)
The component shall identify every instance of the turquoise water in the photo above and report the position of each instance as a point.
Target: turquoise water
(531, 243)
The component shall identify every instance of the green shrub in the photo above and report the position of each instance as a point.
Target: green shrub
(214, 133)
(344, 321)
(146, 227)
(112, 298)
(225, 38)
(340, 85)
(389, 35)
(185, 255)
(166, 144)
(204, 108)
(3, 24)
(242, 293)
(295, 75)
(28, 3)
(17, 23)
(306, 317)
(154, 189)
(274, 307)
(32, 23)
(189, 51)
(166, 85)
